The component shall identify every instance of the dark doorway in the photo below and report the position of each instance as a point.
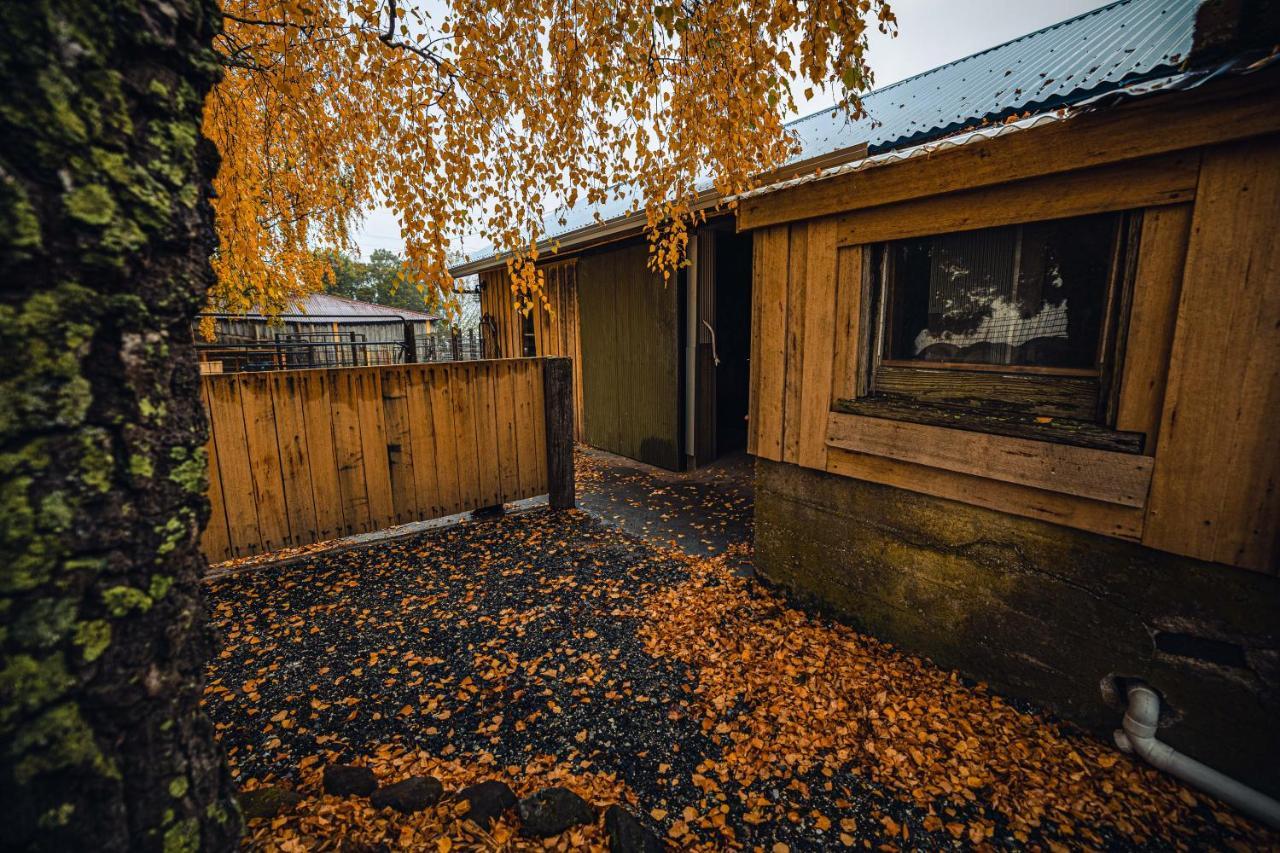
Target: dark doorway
(721, 372)
(733, 340)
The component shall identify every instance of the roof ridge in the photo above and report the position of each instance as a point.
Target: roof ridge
(918, 75)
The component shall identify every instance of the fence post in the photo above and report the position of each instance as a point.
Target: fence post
(410, 343)
(557, 386)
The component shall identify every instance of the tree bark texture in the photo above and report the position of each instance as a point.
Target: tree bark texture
(105, 235)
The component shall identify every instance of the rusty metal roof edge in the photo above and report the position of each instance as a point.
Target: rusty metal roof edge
(1183, 81)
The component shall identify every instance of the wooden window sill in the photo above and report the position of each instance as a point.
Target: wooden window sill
(1012, 424)
(1101, 475)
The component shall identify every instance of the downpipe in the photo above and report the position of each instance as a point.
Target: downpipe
(1138, 736)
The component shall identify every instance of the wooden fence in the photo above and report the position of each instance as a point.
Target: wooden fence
(302, 456)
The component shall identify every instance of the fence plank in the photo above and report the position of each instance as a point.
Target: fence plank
(373, 444)
(291, 436)
(214, 542)
(349, 452)
(264, 461)
(536, 422)
(464, 435)
(446, 440)
(486, 433)
(233, 458)
(322, 462)
(508, 444)
(401, 460)
(527, 449)
(426, 461)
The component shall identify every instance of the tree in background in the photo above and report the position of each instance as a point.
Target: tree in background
(105, 236)
(479, 116)
(380, 281)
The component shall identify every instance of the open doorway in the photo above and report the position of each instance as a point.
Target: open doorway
(733, 333)
(720, 309)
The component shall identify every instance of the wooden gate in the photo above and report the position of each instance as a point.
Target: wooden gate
(302, 456)
(629, 328)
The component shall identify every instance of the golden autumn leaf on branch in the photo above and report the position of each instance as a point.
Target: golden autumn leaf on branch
(483, 117)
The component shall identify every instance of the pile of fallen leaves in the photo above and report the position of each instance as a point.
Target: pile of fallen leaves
(322, 821)
(588, 466)
(786, 694)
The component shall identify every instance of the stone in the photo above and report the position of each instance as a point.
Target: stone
(346, 780)
(629, 835)
(267, 802)
(551, 811)
(488, 801)
(412, 795)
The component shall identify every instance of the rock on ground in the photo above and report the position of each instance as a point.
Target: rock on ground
(628, 835)
(267, 802)
(553, 810)
(412, 795)
(345, 780)
(488, 801)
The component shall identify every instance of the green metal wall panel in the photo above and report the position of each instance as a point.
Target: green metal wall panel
(630, 357)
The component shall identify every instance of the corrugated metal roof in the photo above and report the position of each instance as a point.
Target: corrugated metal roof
(1059, 65)
(326, 306)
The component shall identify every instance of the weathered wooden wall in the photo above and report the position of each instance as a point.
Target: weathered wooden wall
(555, 331)
(630, 357)
(1201, 371)
(303, 456)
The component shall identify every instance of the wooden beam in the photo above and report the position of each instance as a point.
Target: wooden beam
(1118, 478)
(1154, 181)
(1097, 517)
(1236, 108)
(1162, 251)
(557, 379)
(1216, 494)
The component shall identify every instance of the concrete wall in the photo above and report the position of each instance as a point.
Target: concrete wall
(1038, 611)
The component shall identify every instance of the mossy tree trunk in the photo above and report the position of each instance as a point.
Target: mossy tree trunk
(105, 235)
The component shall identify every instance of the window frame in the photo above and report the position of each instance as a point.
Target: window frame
(528, 335)
(1068, 405)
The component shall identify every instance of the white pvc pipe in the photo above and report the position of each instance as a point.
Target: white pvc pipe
(1139, 737)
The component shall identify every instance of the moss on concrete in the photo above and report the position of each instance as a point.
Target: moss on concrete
(1038, 610)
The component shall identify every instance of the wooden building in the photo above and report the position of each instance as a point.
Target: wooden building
(643, 391)
(1014, 399)
(1014, 367)
(321, 330)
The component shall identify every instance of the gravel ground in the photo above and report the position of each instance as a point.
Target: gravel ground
(544, 639)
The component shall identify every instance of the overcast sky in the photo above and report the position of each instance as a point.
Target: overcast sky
(930, 33)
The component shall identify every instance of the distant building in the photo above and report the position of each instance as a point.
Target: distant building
(322, 330)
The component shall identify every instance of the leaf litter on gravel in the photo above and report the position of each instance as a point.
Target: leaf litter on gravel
(549, 649)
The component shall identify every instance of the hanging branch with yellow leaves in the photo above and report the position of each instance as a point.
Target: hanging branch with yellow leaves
(473, 117)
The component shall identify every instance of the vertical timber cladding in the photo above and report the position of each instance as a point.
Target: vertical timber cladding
(300, 456)
(630, 357)
(1201, 375)
(555, 331)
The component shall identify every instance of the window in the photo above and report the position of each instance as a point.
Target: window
(528, 343)
(1012, 329)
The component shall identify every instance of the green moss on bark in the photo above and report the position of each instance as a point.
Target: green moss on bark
(105, 235)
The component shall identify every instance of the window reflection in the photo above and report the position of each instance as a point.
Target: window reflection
(1026, 295)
